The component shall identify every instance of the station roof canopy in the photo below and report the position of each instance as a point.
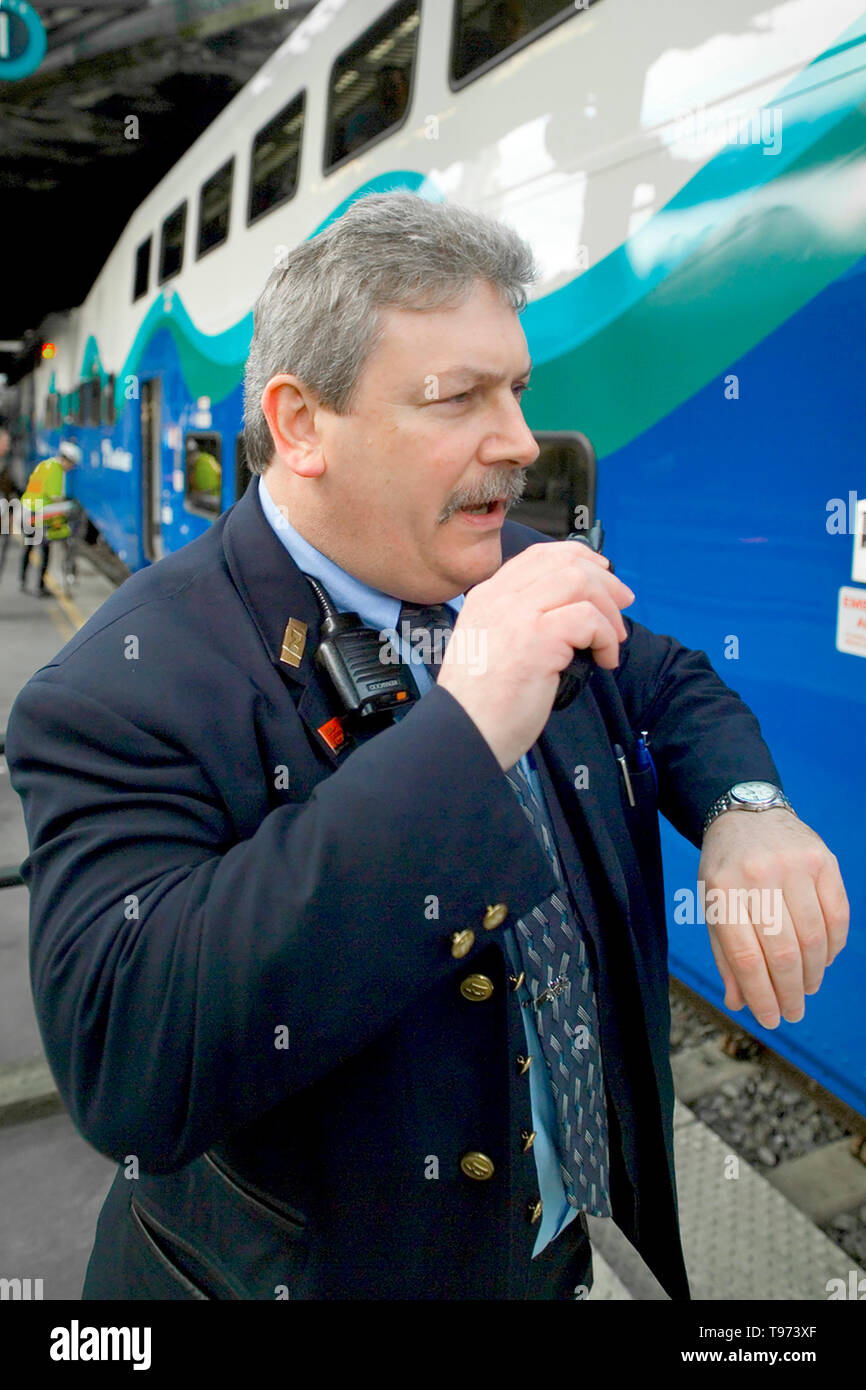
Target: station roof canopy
(70, 176)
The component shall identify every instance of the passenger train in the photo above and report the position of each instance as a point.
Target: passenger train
(692, 179)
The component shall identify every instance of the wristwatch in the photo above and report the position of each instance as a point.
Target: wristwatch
(748, 796)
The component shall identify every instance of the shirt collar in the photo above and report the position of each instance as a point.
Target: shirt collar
(348, 594)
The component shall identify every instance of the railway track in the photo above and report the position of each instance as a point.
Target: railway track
(804, 1141)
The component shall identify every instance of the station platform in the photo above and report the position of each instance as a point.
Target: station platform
(743, 1239)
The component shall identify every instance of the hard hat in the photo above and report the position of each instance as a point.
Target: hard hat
(70, 451)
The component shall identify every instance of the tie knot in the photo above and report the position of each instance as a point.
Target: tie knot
(426, 630)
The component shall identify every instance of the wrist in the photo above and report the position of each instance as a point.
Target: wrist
(748, 796)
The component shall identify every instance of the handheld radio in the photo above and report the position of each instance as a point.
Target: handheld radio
(577, 673)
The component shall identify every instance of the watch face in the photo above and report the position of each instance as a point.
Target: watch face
(753, 792)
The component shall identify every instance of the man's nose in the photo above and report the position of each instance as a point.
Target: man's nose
(513, 440)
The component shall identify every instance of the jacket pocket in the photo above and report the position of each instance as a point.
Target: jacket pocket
(224, 1234)
(153, 1236)
(261, 1203)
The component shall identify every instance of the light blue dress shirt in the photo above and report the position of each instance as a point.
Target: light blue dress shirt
(380, 611)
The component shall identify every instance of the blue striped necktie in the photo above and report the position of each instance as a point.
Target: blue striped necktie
(555, 957)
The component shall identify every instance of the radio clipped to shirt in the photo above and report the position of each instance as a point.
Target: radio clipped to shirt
(350, 654)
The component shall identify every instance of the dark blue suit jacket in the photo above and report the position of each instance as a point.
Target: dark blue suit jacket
(189, 900)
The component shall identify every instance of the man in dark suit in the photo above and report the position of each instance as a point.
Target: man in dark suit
(383, 1015)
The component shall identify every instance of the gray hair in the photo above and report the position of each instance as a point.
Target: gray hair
(318, 315)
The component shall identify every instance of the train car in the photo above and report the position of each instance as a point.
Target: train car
(692, 179)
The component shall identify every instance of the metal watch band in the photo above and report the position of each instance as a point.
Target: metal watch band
(726, 802)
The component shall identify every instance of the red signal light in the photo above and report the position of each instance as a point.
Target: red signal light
(48, 350)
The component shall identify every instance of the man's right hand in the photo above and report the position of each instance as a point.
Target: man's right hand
(530, 616)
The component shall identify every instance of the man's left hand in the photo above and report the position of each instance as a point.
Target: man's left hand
(770, 956)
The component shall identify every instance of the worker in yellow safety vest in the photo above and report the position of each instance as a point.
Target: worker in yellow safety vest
(204, 475)
(46, 487)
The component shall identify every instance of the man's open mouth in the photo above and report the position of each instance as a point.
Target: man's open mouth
(484, 508)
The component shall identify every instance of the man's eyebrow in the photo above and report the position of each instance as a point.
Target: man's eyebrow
(479, 375)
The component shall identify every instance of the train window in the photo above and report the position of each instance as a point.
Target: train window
(203, 472)
(142, 270)
(560, 486)
(371, 84)
(275, 160)
(171, 245)
(108, 412)
(213, 209)
(486, 31)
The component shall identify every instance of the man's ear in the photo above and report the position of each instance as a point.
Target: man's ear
(289, 407)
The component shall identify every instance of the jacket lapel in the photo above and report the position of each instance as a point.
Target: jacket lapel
(284, 610)
(579, 736)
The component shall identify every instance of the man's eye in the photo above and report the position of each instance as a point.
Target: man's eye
(521, 387)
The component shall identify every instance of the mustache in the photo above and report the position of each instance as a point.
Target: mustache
(509, 485)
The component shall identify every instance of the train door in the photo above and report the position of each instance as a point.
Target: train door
(559, 495)
(151, 469)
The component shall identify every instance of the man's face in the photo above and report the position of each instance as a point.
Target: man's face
(426, 438)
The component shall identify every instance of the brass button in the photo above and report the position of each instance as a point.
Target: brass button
(462, 943)
(533, 1210)
(527, 1139)
(517, 980)
(476, 988)
(523, 1063)
(477, 1166)
(494, 916)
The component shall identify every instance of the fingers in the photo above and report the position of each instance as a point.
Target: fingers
(564, 582)
(582, 625)
(733, 994)
(807, 919)
(573, 586)
(833, 901)
(745, 958)
(774, 963)
(546, 558)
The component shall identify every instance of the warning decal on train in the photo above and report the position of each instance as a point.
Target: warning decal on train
(851, 623)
